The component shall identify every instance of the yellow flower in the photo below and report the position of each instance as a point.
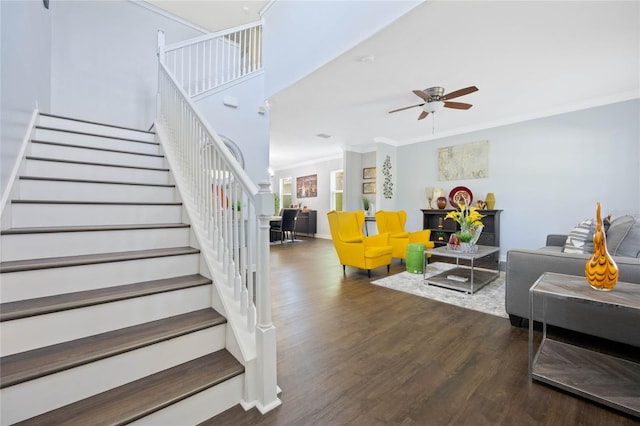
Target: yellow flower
(466, 217)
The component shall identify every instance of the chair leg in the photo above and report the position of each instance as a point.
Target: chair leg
(344, 270)
(369, 273)
(388, 267)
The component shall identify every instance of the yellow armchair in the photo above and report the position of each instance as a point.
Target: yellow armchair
(353, 248)
(393, 223)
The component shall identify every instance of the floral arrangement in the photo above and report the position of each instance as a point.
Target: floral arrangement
(469, 219)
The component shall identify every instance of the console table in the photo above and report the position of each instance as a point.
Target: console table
(441, 228)
(604, 378)
(307, 222)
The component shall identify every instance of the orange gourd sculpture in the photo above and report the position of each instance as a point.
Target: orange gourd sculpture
(601, 270)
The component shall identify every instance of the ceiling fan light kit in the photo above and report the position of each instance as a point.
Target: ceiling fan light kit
(433, 106)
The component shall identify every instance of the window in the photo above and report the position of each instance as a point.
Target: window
(286, 186)
(337, 183)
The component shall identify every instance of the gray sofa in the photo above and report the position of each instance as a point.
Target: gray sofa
(524, 267)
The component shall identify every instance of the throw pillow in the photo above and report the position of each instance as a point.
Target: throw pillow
(623, 237)
(588, 245)
(578, 237)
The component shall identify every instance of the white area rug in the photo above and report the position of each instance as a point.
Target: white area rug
(489, 299)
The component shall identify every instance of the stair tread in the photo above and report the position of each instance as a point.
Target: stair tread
(99, 135)
(108, 182)
(142, 397)
(90, 163)
(88, 259)
(136, 203)
(30, 365)
(91, 228)
(60, 302)
(95, 148)
(46, 114)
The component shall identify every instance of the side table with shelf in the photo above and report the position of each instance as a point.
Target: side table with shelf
(607, 379)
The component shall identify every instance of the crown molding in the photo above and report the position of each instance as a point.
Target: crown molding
(155, 9)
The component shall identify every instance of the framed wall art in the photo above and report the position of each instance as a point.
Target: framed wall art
(369, 187)
(369, 173)
(307, 186)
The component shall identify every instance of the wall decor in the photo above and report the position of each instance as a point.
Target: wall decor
(369, 173)
(369, 187)
(307, 186)
(387, 187)
(468, 161)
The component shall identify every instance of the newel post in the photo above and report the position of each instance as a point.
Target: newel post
(266, 377)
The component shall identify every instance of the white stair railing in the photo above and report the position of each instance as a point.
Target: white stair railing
(205, 63)
(230, 217)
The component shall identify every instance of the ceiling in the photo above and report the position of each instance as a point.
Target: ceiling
(213, 15)
(528, 59)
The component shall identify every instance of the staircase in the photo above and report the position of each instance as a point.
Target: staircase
(105, 317)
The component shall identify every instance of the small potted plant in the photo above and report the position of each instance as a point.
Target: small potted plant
(366, 204)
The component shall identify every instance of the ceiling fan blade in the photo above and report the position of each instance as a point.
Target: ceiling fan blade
(423, 115)
(423, 95)
(457, 105)
(460, 92)
(402, 109)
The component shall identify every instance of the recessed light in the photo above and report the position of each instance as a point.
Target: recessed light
(367, 59)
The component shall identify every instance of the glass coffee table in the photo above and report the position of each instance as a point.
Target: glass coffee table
(462, 278)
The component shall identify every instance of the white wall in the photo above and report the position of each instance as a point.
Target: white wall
(243, 125)
(104, 64)
(322, 202)
(301, 36)
(547, 174)
(25, 74)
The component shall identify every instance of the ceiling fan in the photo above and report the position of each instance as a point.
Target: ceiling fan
(435, 99)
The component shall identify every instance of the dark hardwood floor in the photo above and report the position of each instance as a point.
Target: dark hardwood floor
(353, 353)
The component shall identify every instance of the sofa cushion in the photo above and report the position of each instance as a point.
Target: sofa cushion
(579, 236)
(623, 237)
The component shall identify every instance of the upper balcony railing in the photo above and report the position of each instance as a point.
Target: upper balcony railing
(213, 60)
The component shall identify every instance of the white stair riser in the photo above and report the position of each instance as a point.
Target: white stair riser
(57, 169)
(86, 191)
(79, 126)
(46, 135)
(33, 214)
(49, 282)
(200, 407)
(38, 396)
(60, 152)
(58, 244)
(38, 331)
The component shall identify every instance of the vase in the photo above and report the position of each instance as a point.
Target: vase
(490, 201)
(601, 270)
(442, 202)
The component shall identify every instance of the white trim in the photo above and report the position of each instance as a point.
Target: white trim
(266, 8)
(18, 163)
(168, 15)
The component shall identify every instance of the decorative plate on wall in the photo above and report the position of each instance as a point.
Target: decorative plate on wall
(460, 194)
